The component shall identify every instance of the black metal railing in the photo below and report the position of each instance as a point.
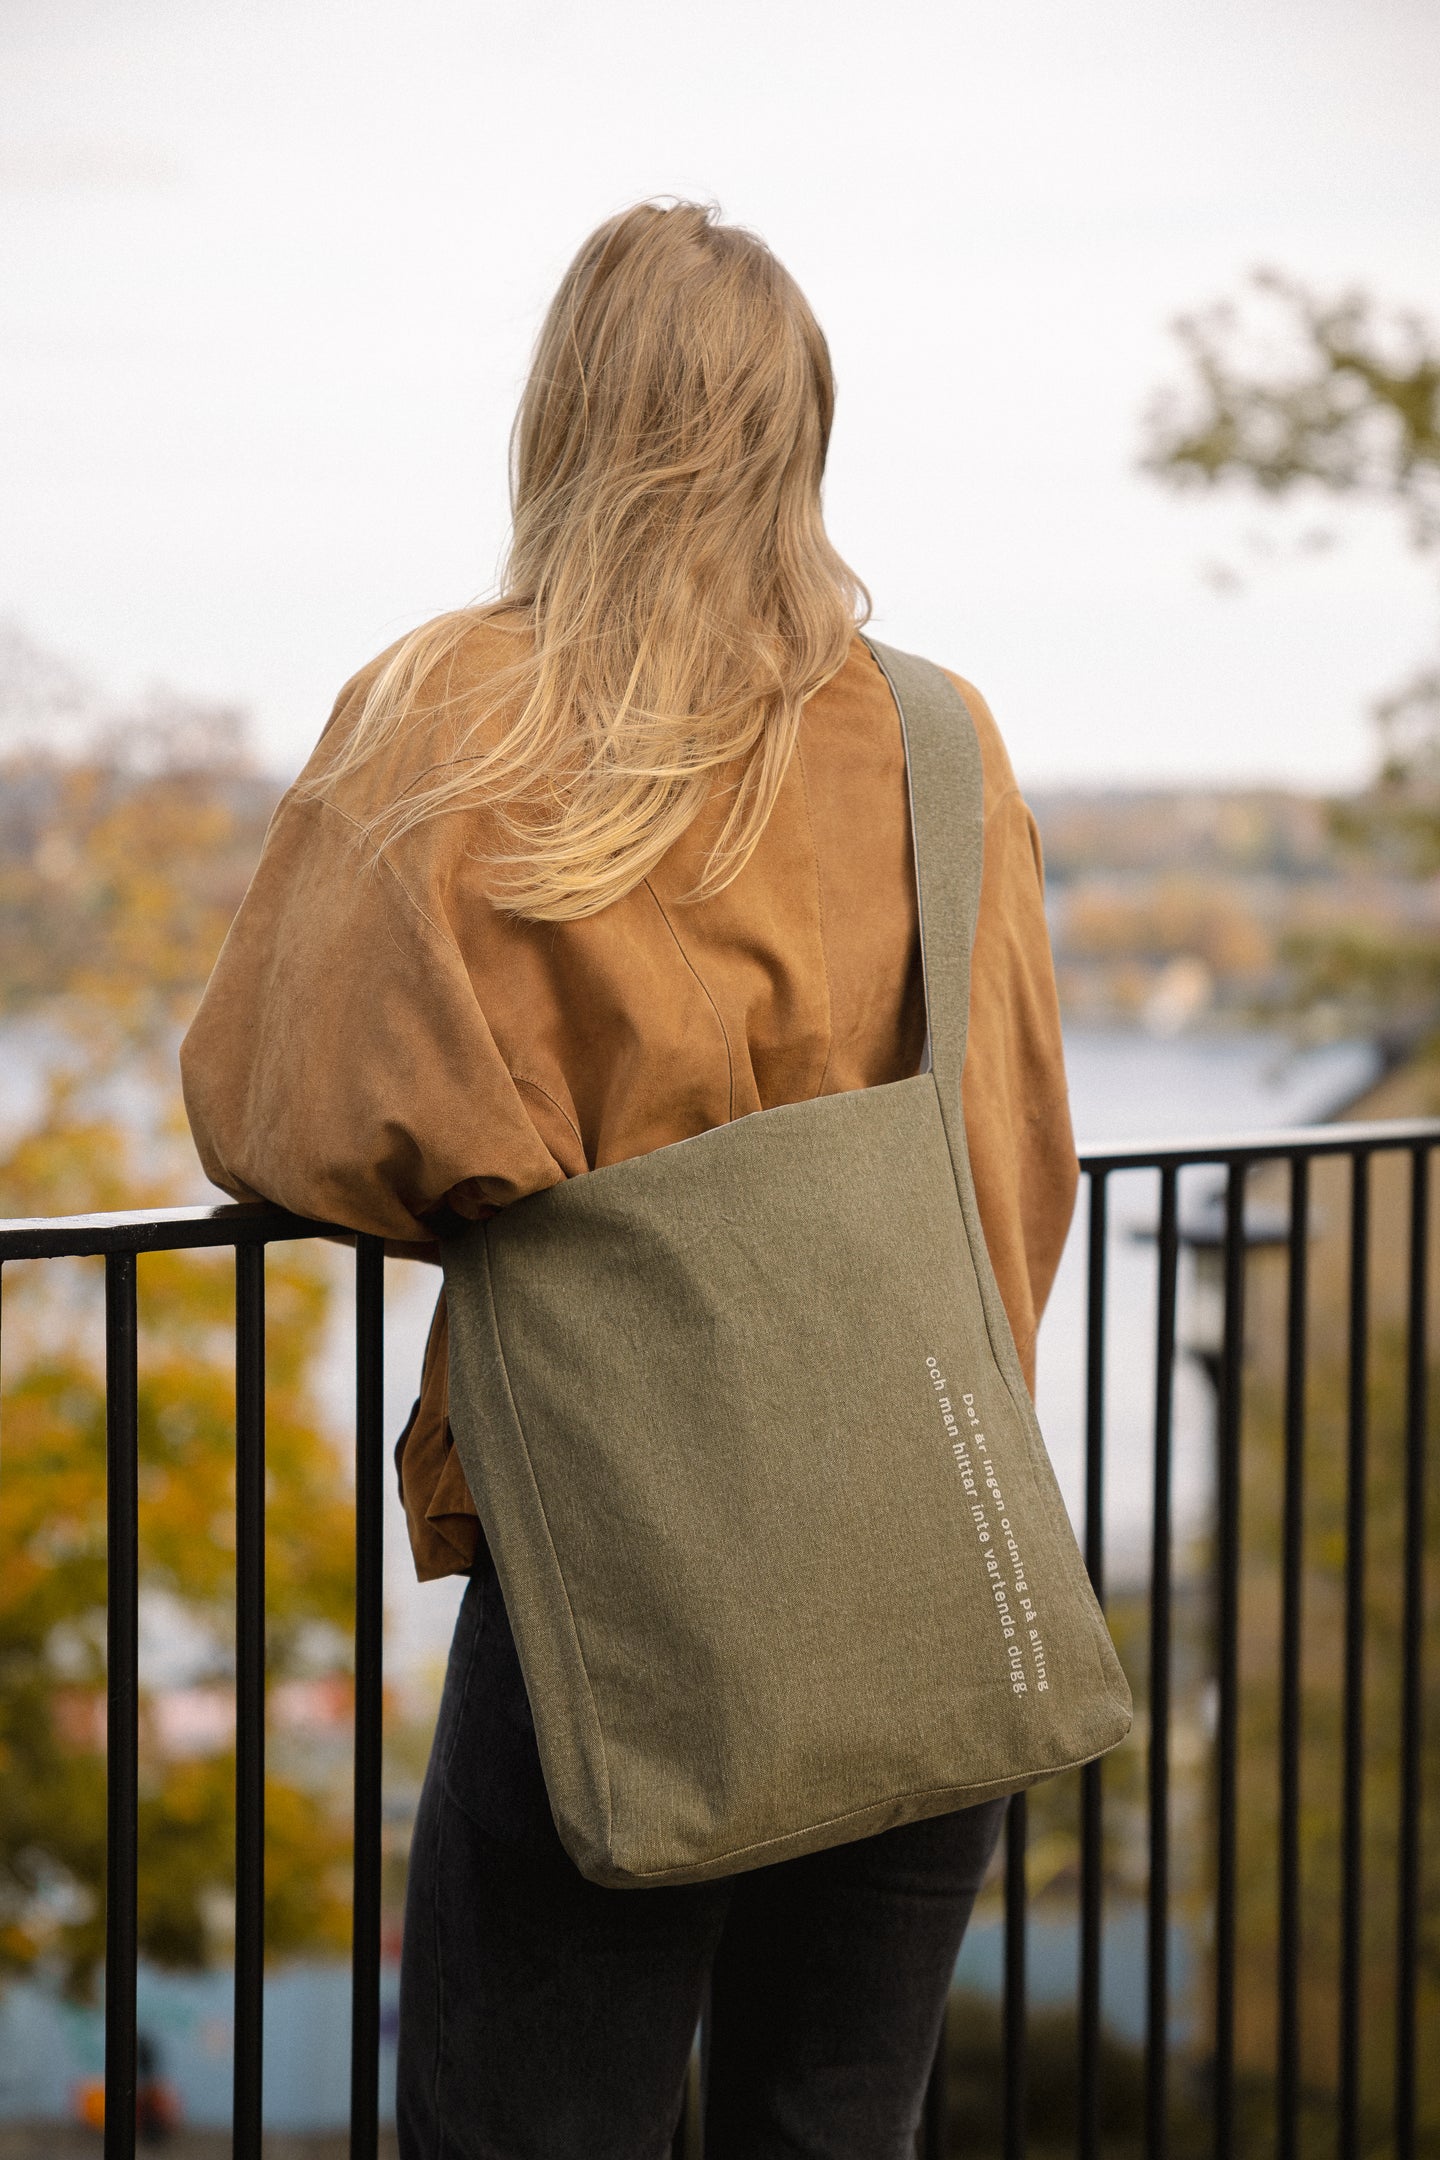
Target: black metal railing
(1289, 1154)
(1294, 1151)
(120, 1238)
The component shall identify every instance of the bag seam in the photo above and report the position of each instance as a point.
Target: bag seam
(900, 1799)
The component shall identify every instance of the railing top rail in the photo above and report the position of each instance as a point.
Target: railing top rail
(51, 1237)
(1274, 1146)
(48, 1237)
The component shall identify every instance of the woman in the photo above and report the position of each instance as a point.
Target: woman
(609, 862)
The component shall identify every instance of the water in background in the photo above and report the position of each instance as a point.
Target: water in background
(1128, 1086)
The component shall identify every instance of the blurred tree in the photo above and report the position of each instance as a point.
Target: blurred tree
(1296, 393)
(120, 866)
(1337, 395)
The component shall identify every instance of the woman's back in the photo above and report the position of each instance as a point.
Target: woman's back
(380, 1040)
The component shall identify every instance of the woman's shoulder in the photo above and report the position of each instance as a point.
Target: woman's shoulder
(861, 692)
(449, 665)
(1000, 782)
(459, 652)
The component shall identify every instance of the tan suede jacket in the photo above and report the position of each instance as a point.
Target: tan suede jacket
(378, 1040)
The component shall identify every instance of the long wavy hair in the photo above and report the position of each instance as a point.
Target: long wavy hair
(669, 566)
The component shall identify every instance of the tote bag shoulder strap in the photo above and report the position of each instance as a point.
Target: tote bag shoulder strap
(947, 824)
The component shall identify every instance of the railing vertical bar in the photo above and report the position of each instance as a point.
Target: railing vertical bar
(369, 1612)
(1232, 1361)
(1409, 1885)
(1091, 1792)
(1353, 1821)
(1291, 1668)
(122, 1425)
(1157, 1935)
(249, 1698)
(1016, 2064)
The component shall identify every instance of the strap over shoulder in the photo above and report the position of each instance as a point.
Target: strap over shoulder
(947, 825)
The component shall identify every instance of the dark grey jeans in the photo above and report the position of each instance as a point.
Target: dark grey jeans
(545, 2018)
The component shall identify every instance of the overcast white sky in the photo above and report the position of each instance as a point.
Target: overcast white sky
(269, 276)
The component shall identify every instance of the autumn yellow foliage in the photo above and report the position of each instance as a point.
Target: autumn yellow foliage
(117, 883)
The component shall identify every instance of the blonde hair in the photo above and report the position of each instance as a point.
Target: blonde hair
(670, 562)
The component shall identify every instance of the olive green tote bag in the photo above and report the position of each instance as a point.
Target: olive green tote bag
(784, 1555)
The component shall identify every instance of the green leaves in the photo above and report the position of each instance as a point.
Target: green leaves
(1288, 392)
